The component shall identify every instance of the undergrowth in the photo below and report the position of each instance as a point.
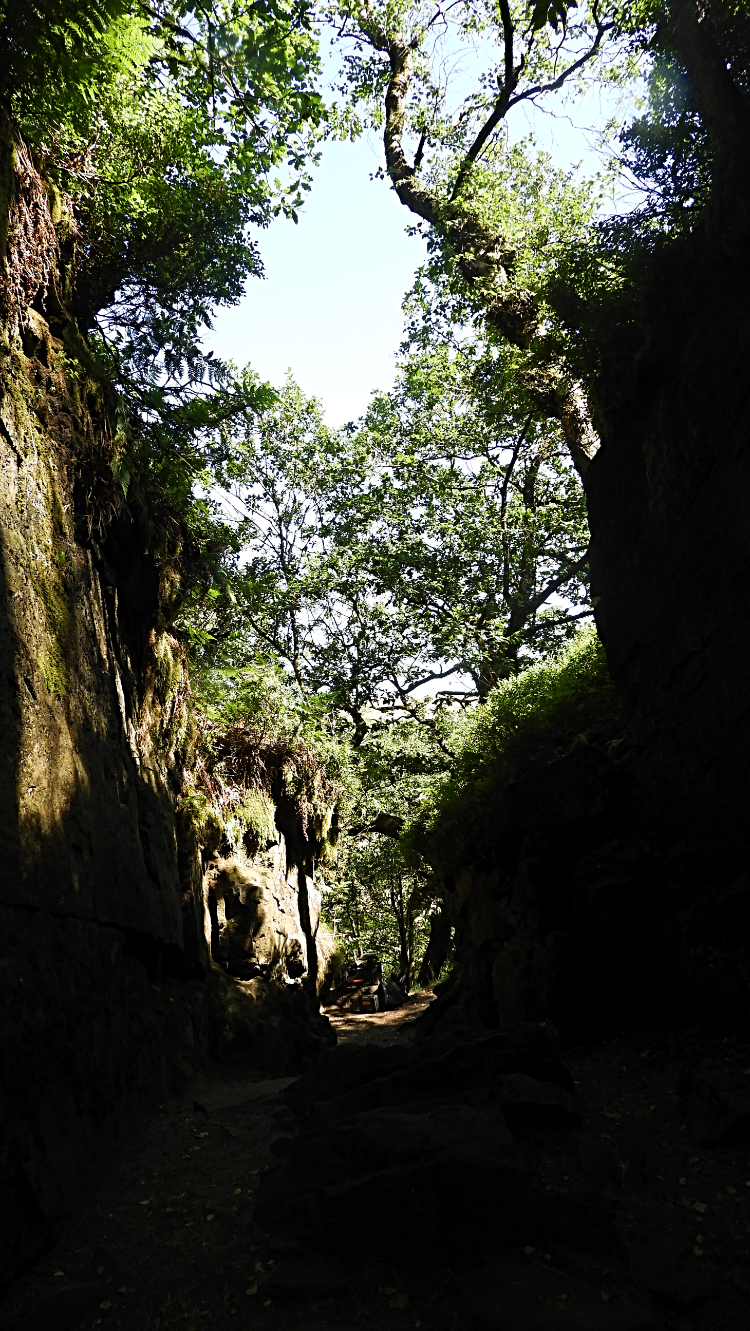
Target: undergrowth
(527, 721)
(259, 743)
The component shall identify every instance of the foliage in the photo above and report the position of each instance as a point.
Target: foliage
(257, 743)
(381, 906)
(444, 536)
(382, 892)
(173, 132)
(477, 525)
(380, 897)
(570, 46)
(164, 124)
(518, 242)
(252, 822)
(453, 78)
(527, 721)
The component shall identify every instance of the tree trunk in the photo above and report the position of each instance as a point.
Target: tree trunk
(436, 953)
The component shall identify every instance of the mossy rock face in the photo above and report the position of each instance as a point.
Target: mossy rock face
(271, 1030)
(96, 901)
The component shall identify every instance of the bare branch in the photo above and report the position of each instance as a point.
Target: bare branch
(506, 101)
(556, 583)
(504, 506)
(427, 679)
(427, 721)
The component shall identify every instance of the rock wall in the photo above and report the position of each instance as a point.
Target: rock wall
(109, 999)
(258, 925)
(92, 897)
(668, 500)
(606, 891)
(566, 910)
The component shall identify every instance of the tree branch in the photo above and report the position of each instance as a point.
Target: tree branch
(530, 606)
(423, 721)
(506, 101)
(427, 679)
(481, 255)
(504, 506)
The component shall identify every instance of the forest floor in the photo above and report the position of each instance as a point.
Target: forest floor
(172, 1240)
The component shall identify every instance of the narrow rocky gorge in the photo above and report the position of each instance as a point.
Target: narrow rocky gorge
(562, 1137)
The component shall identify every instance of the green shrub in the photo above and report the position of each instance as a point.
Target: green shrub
(259, 739)
(527, 721)
(252, 821)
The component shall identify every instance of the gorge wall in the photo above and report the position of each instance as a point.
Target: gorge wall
(669, 499)
(109, 996)
(611, 888)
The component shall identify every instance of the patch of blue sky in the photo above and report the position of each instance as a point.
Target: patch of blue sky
(328, 310)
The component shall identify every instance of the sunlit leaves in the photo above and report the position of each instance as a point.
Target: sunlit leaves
(174, 129)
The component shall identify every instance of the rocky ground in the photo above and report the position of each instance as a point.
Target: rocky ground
(609, 1189)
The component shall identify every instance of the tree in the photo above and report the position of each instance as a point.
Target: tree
(497, 215)
(477, 527)
(166, 131)
(501, 223)
(443, 538)
(298, 598)
(379, 897)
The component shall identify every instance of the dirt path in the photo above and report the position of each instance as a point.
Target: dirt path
(169, 1241)
(172, 1240)
(382, 1028)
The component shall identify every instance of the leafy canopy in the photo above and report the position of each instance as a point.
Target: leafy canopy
(176, 132)
(443, 538)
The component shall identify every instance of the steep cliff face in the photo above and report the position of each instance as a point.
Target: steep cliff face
(614, 889)
(86, 794)
(611, 888)
(108, 995)
(668, 497)
(568, 909)
(265, 915)
(91, 891)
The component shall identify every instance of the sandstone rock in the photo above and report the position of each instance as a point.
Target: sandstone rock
(430, 1180)
(258, 923)
(305, 1281)
(528, 1103)
(598, 1162)
(581, 1220)
(428, 1070)
(510, 1295)
(269, 1029)
(343, 1070)
(104, 920)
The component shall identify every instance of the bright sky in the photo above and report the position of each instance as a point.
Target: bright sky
(329, 308)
